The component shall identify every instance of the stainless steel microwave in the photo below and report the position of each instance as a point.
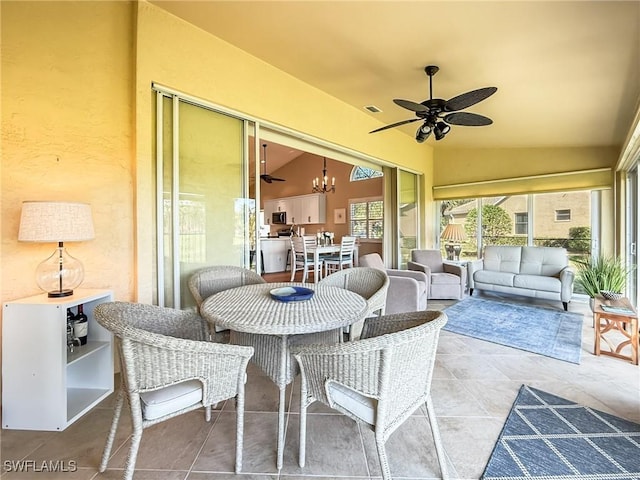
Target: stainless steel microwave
(279, 218)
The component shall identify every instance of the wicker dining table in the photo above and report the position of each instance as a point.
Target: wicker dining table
(272, 326)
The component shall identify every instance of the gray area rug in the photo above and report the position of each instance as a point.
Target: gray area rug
(549, 332)
(547, 437)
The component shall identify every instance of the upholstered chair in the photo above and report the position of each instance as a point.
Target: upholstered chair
(446, 280)
(407, 290)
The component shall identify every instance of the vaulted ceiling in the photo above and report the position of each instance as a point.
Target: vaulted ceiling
(567, 73)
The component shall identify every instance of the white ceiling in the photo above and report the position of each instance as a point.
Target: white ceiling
(567, 73)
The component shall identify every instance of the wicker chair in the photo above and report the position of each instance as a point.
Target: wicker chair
(379, 380)
(168, 368)
(370, 283)
(209, 280)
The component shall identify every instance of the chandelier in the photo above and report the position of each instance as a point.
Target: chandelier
(324, 187)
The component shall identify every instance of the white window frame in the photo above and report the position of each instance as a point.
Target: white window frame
(562, 212)
(366, 200)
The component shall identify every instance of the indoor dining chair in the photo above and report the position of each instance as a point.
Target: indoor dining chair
(303, 259)
(344, 258)
(379, 380)
(168, 368)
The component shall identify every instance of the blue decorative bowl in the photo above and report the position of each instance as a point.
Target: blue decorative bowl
(291, 294)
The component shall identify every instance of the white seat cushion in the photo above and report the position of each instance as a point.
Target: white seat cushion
(358, 404)
(159, 403)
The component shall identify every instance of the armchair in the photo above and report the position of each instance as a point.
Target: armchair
(407, 290)
(378, 381)
(446, 280)
(168, 369)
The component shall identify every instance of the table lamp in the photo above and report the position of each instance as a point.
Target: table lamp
(454, 235)
(57, 222)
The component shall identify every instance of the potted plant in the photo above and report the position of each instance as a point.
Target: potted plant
(603, 273)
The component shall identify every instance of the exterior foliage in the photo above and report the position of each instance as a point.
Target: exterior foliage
(496, 225)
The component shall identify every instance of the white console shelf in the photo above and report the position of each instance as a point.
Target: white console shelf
(44, 385)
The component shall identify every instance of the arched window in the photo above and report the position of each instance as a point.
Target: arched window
(364, 173)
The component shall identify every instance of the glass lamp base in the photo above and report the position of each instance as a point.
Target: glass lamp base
(59, 274)
(60, 293)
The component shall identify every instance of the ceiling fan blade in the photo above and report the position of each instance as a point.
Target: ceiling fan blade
(465, 100)
(409, 105)
(467, 119)
(397, 124)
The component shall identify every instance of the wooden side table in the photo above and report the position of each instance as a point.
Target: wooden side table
(604, 322)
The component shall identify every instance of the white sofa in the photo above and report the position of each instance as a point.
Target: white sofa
(540, 272)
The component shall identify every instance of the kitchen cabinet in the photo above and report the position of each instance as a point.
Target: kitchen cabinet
(313, 208)
(45, 385)
(301, 209)
(269, 208)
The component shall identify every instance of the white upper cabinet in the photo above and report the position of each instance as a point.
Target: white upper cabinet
(301, 209)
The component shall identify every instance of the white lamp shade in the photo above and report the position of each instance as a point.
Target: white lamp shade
(55, 222)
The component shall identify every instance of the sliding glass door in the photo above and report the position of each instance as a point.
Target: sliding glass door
(203, 209)
(408, 216)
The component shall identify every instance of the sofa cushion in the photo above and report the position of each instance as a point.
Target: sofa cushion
(502, 258)
(494, 278)
(537, 282)
(547, 261)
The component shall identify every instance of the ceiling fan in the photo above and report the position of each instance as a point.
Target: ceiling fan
(265, 176)
(434, 112)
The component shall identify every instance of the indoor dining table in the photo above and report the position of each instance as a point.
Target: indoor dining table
(272, 326)
(320, 250)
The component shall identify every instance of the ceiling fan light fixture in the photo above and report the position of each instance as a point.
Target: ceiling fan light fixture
(444, 128)
(433, 109)
(423, 133)
(440, 130)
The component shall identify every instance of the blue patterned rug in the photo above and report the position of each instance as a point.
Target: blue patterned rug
(549, 438)
(549, 332)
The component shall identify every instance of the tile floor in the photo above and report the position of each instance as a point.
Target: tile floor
(474, 385)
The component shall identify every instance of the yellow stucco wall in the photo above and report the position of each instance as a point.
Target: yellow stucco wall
(465, 173)
(67, 133)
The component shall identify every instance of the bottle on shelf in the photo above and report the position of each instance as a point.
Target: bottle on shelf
(81, 326)
(72, 341)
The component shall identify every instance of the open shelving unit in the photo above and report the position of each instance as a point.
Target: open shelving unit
(45, 386)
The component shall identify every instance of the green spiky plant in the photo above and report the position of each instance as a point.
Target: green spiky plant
(601, 273)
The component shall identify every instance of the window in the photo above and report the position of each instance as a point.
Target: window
(365, 218)
(521, 223)
(364, 173)
(563, 215)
